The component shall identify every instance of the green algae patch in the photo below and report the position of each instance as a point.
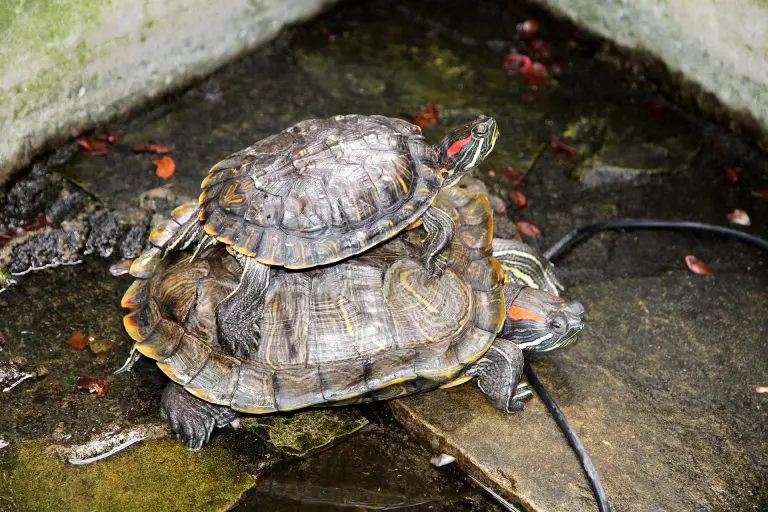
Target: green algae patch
(301, 433)
(155, 475)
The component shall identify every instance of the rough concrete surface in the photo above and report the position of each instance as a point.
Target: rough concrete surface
(67, 65)
(660, 386)
(720, 45)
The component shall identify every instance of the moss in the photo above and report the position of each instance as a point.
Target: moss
(155, 475)
(298, 434)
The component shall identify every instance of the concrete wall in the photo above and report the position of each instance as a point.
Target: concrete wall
(66, 65)
(721, 45)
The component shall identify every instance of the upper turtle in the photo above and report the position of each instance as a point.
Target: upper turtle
(326, 189)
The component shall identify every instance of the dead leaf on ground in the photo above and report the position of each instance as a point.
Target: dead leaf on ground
(426, 118)
(697, 266)
(166, 167)
(78, 341)
(739, 217)
(93, 146)
(528, 229)
(91, 384)
(152, 148)
(519, 198)
(761, 389)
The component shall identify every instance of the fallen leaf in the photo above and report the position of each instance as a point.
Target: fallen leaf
(697, 266)
(537, 74)
(93, 146)
(165, 167)
(559, 147)
(528, 229)
(426, 118)
(108, 137)
(512, 175)
(38, 224)
(516, 63)
(519, 198)
(761, 389)
(760, 193)
(527, 28)
(540, 50)
(91, 384)
(732, 174)
(152, 148)
(739, 217)
(99, 345)
(78, 341)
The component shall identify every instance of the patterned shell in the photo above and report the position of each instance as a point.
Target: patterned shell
(370, 328)
(321, 190)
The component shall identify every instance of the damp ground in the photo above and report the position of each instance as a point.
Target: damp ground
(661, 385)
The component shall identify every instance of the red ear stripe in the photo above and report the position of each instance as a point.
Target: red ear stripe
(456, 146)
(518, 313)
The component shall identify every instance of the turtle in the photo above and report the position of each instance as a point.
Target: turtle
(374, 327)
(316, 193)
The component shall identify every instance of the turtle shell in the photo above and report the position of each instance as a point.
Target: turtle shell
(370, 328)
(321, 190)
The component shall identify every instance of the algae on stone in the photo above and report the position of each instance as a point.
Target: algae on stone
(298, 434)
(156, 475)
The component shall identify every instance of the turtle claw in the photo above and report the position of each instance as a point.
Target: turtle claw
(522, 395)
(190, 418)
(436, 266)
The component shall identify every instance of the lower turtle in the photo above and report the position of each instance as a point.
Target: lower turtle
(375, 327)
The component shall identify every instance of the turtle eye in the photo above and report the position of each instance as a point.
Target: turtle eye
(558, 324)
(480, 129)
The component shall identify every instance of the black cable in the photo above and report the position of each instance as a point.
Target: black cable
(571, 436)
(582, 232)
(557, 250)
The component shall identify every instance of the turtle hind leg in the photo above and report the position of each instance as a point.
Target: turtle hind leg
(440, 231)
(499, 372)
(238, 314)
(190, 418)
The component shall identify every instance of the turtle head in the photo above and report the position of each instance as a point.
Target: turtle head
(526, 266)
(463, 149)
(540, 321)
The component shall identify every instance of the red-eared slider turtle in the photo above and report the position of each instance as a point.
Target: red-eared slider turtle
(371, 328)
(318, 192)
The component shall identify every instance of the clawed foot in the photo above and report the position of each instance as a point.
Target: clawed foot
(522, 395)
(190, 418)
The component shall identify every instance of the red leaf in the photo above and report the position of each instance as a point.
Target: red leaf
(512, 175)
(761, 193)
(38, 224)
(77, 341)
(739, 217)
(528, 229)
(537, 74)
(93, 146)
(519, 198)
(108, 137)
(91, 384)
(426, 118)
(559, 147)
(697, 266)
(516, 63)
(732, 174)
(165, 167)
(152, 148)
(527, 28)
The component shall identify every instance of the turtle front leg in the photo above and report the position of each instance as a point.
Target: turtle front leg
(190, 418)
(499, 372)
(238, 314)
(440, 230)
